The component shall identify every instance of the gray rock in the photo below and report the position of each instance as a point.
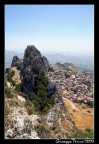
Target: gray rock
(32, 59)
(34, 135)
(9, 133)
(51, 89)
(46, 62)
(14, 61)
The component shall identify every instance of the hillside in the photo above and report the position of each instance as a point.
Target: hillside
(69, 67)
(45, 101)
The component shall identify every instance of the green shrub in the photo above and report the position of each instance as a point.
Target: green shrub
(28, 103)
(50, 69)
(30, 111)
(20, 66)
(43, 132)
(18, 87)
(67, 75)
(44, 81)
(89, 111)
(28, 126)
(9, 76)
(88, 130)
(7, 109)
(11, 102)
(80, 134)
(35, 69)
(8, 92)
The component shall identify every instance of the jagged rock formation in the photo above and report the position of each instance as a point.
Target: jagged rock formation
(32, 58)
(14, 61)
(46, 62)
(51, 89)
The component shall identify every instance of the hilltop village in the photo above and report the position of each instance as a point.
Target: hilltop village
(77, 86)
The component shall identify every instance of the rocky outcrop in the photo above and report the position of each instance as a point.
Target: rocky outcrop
(51, 89)
(14, 61)
(32, 59)
(7, 70)
(46, 62)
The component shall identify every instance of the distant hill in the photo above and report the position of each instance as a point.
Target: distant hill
(69, 66)
(82, 61)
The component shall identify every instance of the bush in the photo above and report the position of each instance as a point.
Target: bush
(89, 111)
(18, 87)
(80, 134)
(44, 81)
(28, 103)
(20, 66)
(11, 102)
(67, 76)
(43, 132)
(88, 130)
(7, 109)
(35, 69)
(9, 76)
(50, 69)
(8, 92)
(30, 111)
(28, 126)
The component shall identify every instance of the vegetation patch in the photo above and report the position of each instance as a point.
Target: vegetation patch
(80, 134)
(50, 69)
(18, 87)
(28, 126)
(8, 92)
(43, 131)
(9, 76)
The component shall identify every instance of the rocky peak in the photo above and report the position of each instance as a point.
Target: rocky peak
(32, 59)
(14, 61)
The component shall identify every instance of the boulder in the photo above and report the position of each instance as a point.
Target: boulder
(51, 89)
(9, 133)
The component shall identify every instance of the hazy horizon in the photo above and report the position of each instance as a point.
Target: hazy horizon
(54, 52)
(51, 28)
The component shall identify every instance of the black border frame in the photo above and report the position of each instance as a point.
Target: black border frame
(2, 56)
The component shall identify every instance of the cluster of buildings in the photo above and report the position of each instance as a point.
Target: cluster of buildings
(75, 86)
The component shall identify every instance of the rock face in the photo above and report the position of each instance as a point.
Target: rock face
(14, 61)
(32, 58)
(51, 89)
(46, 62)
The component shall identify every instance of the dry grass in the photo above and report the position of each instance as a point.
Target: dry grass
(16, 77)
(80, 116)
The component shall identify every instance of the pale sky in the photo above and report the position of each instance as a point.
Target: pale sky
(56, 28)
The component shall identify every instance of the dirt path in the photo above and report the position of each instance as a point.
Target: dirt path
(16, 77)
(83, 117)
